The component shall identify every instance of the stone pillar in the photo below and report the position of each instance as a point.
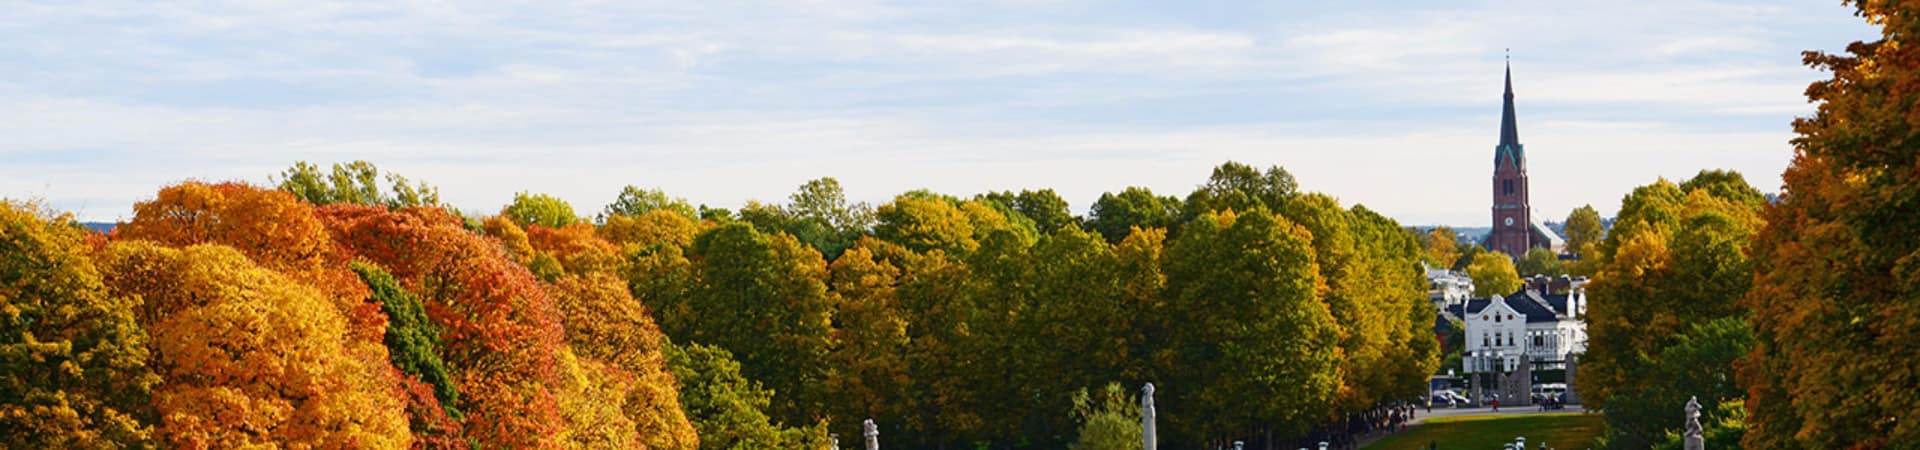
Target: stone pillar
(1147, 413)
(1573, 369)
(1692, 438)
(873, 434)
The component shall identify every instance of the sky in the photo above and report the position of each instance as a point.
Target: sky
(1390, 104)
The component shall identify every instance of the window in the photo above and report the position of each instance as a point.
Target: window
(1484, 342)
(1509, 339)
(1506, 187)
(1539, 342)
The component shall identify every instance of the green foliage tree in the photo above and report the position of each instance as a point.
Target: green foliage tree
(540, 209)
(1584, 232)
(1540, 261)
(1241, 187)
(1116, 215)
(1044, 207)
(357, 182)
(727, 408)
(1246, 291)
(413, 345)
(763, 298)
(636, 202)
(1110, 421)
(73, 356)
(1493, 274)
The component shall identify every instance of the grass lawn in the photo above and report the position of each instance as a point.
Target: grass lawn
(1568, 431)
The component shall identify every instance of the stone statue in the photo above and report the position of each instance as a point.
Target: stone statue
(1147, 414)
(873, 434)
(1693, 438)
(834, 440)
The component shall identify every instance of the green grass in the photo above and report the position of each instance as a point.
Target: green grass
(1565, 431)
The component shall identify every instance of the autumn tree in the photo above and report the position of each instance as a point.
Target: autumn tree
(1493, 274)
(357, 182)
(413, 343)
(73, 355)
(1441, 246)
(502, 332)
(250, 357)
(1836, 298)
(1676, 258)
(868, 360)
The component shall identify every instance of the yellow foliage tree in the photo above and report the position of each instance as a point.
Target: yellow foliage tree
(250, 357)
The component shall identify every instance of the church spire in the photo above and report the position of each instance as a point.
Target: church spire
(1509, 130)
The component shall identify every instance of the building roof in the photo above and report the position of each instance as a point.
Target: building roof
(1509, 148)
(1537, 307)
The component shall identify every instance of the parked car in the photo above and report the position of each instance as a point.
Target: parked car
(1448, 399)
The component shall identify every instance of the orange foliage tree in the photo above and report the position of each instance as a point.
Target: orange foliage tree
(1836, 299)
(249, 356)
(500, 329)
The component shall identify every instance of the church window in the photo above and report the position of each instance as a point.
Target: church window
(1506, 187)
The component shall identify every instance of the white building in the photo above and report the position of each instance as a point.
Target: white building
(1544, 327)
(1446, 287)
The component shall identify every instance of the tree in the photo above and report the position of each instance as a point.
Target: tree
(1441, 246)
(1246, 290)
(1115, 215)
(728, 408)
(540, 209)
(869, 356)
(357, 183)
(1240, 187)
(1837, 272)
(924, 224)
(1584, 233)
(1110, 421)
(635, 202)
(250, 357)
(1540, 261)
(74, 358)
(764, 299)
(1493, 274)
(1044, 207)
(1675, 259)
(413, 343)
(502, 332)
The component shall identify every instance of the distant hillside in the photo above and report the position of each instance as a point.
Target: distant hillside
(103, 227)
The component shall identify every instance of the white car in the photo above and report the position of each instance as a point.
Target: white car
(1448, 398)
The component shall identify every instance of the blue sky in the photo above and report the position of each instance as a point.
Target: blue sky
(1390, 104)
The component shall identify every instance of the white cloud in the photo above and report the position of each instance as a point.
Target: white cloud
(1395, 107)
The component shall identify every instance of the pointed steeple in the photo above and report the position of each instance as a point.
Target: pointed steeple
(1509, 130)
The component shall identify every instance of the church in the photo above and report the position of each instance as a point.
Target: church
(1515, 230)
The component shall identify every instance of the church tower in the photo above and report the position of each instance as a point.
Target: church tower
(1512, 217)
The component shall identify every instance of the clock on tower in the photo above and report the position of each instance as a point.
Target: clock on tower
(1512, 218)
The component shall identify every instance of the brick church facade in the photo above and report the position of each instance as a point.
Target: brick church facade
(1514, 228)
